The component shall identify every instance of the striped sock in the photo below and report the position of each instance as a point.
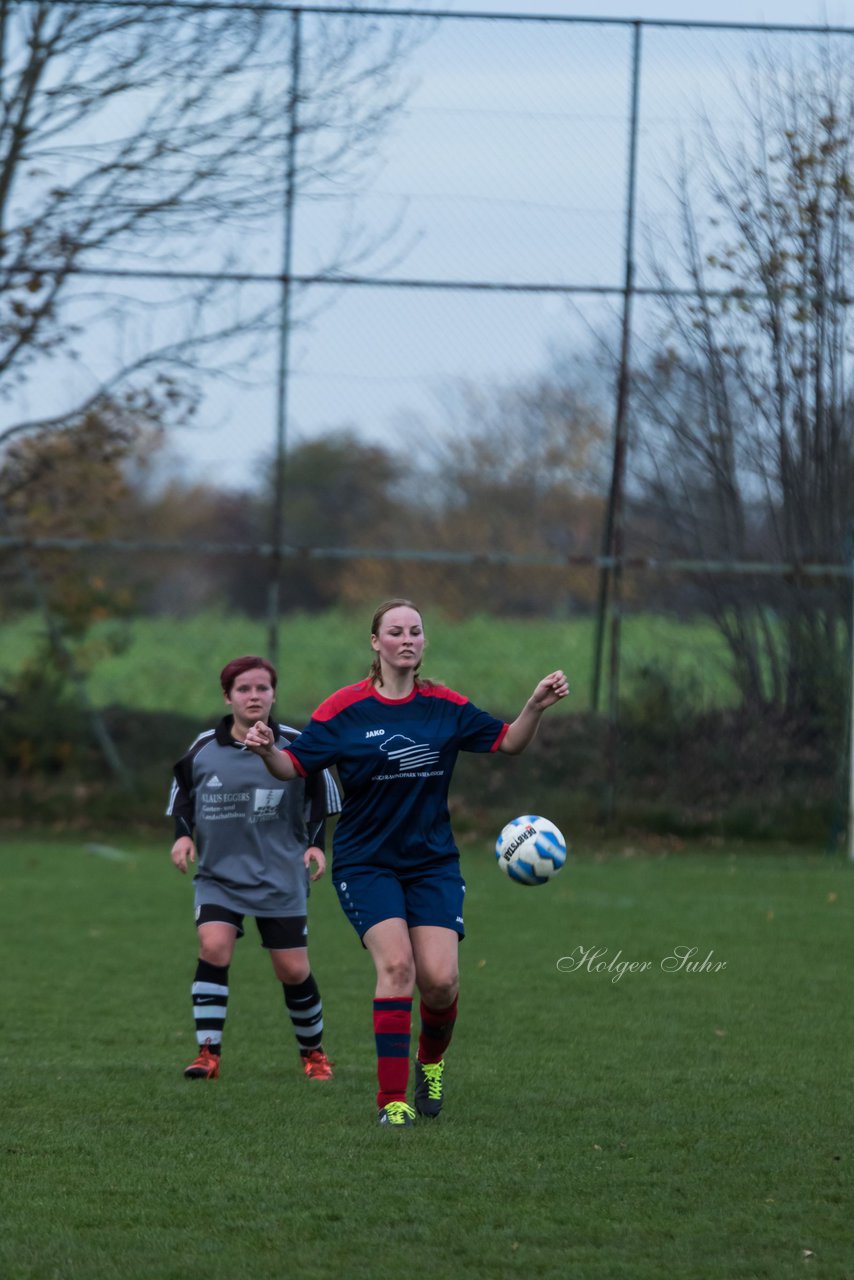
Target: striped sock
(392, 1031)
(210, 1003)
(437, 1027)
(306, 1013)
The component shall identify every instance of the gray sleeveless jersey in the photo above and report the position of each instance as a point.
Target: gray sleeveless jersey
(251, 830)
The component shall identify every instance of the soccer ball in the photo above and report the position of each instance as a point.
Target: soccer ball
(530, 850)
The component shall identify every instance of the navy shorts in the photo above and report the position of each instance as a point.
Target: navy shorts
(433, 896)
(278, 933)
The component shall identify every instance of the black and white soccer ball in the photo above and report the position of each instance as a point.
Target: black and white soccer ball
(530, 850)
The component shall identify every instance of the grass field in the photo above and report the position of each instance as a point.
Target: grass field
(651, 1126)
(173, 663)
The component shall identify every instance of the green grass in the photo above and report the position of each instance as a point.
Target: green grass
(174, 663)
(664, 1126)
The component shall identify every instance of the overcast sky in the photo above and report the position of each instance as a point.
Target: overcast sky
(512, 163)
(508, 164)
(782, 11)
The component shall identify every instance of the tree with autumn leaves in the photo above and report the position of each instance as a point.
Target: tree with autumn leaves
(741, 421)
(137, 139)
(744, 417)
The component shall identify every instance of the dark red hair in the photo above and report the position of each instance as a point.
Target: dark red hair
(232, 670)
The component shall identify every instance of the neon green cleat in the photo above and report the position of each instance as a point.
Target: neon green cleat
(396, 1115)
(429, 1088)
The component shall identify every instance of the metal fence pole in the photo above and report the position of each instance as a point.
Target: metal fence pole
(283, 372)
(614, 531)
(613, 516)
(851, 725)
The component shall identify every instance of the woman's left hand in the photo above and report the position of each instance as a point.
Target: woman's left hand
(549, 691)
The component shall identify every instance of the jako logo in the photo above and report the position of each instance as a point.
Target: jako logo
(375, 733)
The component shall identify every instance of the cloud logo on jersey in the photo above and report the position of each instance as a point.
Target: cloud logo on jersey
(408, 753)
(266, 804)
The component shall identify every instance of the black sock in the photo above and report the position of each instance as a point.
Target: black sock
(306, 1013)
(210, 1003)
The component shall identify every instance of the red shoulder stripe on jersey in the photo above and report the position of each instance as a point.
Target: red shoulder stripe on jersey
(427, 689)
(343, 698)
(303, 773)
(498, 741)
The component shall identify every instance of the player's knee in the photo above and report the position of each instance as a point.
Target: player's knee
(291, 969)
(215, 953)
(398, 973)
(440, 991)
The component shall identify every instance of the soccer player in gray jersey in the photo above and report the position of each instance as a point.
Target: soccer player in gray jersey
(255, 843)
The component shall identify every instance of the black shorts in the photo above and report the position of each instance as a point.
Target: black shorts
(278, 933)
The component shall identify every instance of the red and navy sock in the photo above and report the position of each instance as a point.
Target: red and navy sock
(437, 1027)
(392, 1031)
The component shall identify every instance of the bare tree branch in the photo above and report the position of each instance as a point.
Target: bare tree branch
(156, 136)
(746, 421)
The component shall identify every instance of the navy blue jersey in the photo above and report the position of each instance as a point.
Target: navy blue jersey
(395, 759)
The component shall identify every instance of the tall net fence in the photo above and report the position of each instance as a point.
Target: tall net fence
(540, 322)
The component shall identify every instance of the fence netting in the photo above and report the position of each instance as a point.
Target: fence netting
(539, 323)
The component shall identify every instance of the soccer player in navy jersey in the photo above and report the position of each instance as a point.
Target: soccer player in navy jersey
(256, 845)
(395, 738)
